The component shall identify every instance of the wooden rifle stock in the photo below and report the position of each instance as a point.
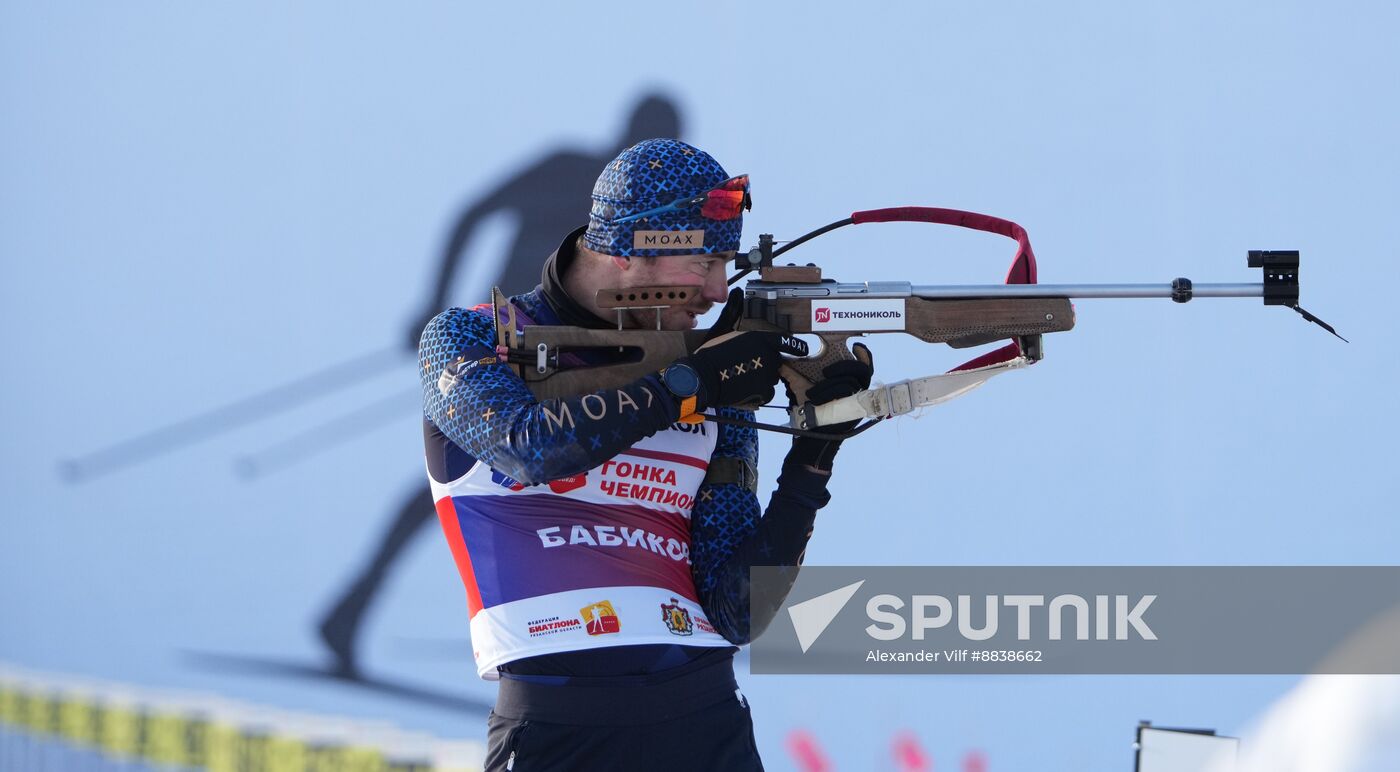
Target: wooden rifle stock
(541, 354)
(959, 323)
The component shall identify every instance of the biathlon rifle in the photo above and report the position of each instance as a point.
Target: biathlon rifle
(799, 300)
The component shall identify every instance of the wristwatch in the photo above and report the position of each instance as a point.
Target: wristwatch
(681, 380)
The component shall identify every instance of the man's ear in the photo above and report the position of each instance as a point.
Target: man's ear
(623, 263)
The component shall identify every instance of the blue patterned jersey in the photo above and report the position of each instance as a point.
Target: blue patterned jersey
(477, 408)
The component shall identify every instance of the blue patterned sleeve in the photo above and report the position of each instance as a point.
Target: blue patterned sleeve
(728, 535)
(486, 409)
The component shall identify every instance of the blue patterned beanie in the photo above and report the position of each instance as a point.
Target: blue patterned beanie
(650, 174)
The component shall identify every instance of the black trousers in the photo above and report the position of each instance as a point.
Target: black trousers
(719, 737)
(695, 720)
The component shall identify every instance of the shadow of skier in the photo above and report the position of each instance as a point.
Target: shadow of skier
(550, 198)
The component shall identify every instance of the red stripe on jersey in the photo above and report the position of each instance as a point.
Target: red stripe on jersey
(676, 458)
(447, 515)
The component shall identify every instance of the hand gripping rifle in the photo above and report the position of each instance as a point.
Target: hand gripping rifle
(798, 300)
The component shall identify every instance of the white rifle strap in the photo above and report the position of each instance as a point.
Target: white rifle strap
(903, 397)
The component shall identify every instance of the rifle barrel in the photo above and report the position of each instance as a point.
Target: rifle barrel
(1085, 291)
(833, 290)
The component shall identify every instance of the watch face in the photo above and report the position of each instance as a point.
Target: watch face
(681, 380)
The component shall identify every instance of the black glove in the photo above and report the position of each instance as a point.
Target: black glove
(739, 369)
(841, 379)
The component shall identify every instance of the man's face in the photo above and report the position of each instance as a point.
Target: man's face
(709, 273)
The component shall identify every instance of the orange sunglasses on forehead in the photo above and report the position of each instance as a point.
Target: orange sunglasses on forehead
(725, 201)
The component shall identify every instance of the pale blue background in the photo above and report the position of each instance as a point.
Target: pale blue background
(200, 201)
